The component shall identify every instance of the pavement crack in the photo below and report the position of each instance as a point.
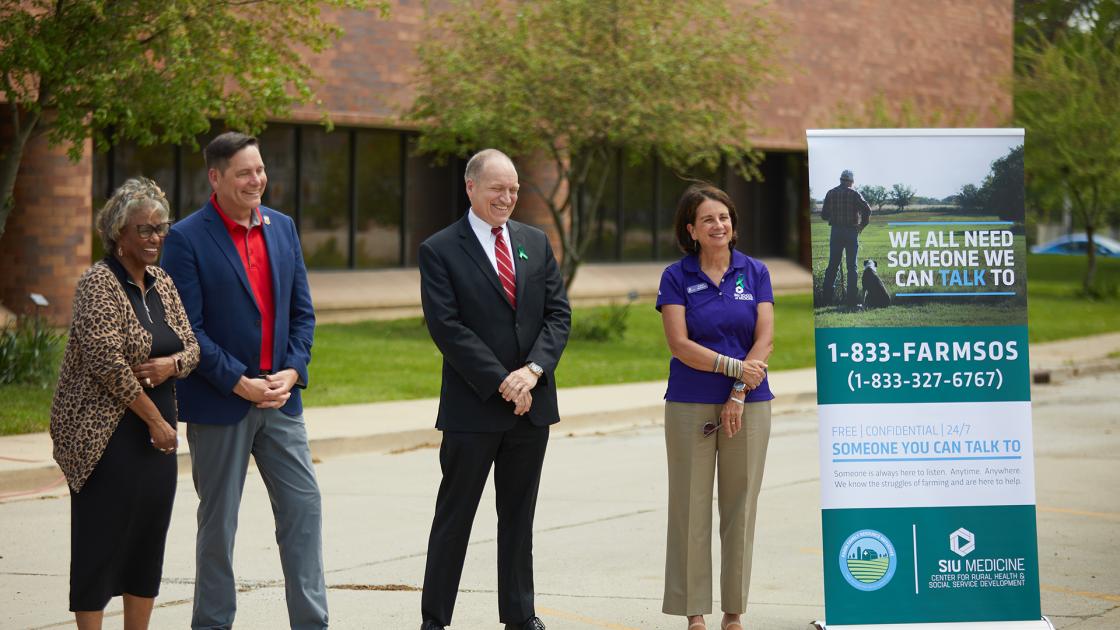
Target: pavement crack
(375, 587)
(594, 521)
(485, 541)
(790, 484)
(1083, 618)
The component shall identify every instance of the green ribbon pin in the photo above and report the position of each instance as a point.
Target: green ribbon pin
(521, 253)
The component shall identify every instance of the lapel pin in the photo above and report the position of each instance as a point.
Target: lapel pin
(266, 221)
(521, 253)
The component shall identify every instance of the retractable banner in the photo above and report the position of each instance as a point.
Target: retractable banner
(923, 379)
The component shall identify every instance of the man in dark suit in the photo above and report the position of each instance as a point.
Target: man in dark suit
(239, 269)
(496, 307)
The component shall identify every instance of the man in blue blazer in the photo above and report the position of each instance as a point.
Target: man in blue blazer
(495, 305)
(239, 269)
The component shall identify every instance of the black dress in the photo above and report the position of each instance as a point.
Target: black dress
(119, 520)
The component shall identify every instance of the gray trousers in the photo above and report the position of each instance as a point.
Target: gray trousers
(737, 464)
(219, 461)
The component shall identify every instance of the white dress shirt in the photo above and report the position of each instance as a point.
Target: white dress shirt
(487, 239)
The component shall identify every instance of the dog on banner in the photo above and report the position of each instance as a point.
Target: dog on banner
(874, 291)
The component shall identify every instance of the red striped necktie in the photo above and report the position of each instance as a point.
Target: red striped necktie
(505, 266)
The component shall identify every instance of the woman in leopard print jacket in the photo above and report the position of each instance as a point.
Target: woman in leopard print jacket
(113, 416)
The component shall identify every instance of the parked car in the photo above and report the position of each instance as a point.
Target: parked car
(1078, 245)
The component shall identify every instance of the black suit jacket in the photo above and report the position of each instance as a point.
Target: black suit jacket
(481, 336)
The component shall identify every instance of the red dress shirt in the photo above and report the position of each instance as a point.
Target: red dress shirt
(249, 243)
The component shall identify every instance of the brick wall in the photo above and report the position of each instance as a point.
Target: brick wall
(951, 56)
(531, 207)
(46, 242)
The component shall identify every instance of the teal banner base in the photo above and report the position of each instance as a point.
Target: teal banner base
(927, 565)
(1041, 624)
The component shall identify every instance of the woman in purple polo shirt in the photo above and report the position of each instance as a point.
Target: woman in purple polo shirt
(717, 308)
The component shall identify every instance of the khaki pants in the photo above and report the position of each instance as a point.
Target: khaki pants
(693, 462)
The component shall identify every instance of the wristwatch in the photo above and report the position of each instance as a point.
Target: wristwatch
(535, 369)
(739, 386)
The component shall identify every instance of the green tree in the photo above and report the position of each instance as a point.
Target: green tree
(1066, 97)
(875, 196)
(1045, 21)
(152, 71)
(971, 199)
(1002, 192)
(571, 82)
(900, 196)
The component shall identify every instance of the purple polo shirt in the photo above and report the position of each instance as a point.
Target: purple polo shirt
(719, 318)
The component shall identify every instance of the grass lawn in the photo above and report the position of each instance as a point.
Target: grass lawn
(25, 408)
(1055, 306)
(395, 360)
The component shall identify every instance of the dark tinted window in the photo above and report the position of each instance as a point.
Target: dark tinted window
(324, 197)
(638, 210)
(378, 200)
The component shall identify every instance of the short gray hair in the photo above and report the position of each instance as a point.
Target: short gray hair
(479, 160)
(138, 193)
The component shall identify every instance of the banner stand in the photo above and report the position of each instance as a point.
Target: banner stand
(1042, 624)
(928, 507)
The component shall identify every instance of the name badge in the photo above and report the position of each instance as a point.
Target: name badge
(697, 287)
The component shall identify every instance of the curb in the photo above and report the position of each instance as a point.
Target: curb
(1055, 375)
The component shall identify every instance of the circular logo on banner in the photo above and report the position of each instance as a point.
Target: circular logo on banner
(868, 560)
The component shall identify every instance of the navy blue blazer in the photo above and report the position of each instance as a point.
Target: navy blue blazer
(200, 257)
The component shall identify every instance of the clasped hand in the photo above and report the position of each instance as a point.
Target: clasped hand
(153, 372)
(754, 370)
(163, 437)
(731, 416)
(516, 388)
(268, 392)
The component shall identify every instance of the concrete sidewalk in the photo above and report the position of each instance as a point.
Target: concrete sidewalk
(599, 533)
(26, 465)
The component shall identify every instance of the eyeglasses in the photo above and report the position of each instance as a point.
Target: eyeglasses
(145, 230)
(711, 427)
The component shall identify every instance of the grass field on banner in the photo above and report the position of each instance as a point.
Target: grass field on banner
(874, 243)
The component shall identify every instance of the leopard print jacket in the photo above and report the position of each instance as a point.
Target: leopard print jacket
(96, 383)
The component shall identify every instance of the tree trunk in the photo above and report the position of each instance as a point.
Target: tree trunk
(10, 160)
(1091, 270)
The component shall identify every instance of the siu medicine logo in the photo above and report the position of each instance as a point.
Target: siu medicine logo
(867, 560)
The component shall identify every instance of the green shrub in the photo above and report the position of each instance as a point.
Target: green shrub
(29, 352)
(601, 324)
(1104, 288)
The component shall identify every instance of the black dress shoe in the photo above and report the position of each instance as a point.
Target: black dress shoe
(532, 623)
(430, 625)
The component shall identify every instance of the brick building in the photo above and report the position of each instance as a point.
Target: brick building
(362, 200)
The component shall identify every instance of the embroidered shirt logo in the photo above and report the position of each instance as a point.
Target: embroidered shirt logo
(697, 287)
(741, 289)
